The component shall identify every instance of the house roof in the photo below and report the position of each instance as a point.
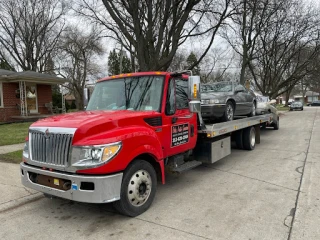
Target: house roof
(30, 76)
(308, 94)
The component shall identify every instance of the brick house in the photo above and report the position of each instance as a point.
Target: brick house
(310, 96)
(25, 95)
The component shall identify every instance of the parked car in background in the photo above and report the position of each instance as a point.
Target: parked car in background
(224, 100)
(296, 105)
(290, 101)
(315, 103)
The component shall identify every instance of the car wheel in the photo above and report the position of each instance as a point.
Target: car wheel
(253, 110)
(229, 112)
(301, 109)
(249, 138)
(138, 189)
(276, 124)
(239, 139)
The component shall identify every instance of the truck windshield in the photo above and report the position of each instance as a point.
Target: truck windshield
(132, 93)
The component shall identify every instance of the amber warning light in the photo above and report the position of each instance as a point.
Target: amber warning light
(195, 90)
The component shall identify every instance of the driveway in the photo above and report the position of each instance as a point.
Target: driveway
(269, 193)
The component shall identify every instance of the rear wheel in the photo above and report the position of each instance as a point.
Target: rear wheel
(229, 112)
(276, 125)
(238, 139)
(249, 138)
(138, 189)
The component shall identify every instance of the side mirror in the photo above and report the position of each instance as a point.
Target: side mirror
(194, 94)
(237, 90)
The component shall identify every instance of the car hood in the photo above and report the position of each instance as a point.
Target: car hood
(215, 95)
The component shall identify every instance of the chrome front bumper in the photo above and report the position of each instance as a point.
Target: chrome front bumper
(106, 188)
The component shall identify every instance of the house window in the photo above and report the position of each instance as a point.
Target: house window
(1, 95)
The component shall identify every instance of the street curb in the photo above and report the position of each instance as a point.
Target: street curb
(13, 204)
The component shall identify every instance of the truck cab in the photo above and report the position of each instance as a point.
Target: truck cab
(116, 150)
(136, 127)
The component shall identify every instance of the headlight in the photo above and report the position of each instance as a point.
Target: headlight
(213, 101)
(93, 156)
(209, 101)
(25, 152)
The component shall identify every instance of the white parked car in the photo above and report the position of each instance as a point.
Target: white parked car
(265, 106)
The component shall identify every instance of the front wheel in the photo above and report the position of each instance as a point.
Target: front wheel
(229, 112)
(138, 189)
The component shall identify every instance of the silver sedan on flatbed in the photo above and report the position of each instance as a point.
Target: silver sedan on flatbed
(224, 100)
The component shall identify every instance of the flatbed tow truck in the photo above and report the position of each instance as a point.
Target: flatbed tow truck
(136, 128)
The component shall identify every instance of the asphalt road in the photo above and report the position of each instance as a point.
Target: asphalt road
(269, 193)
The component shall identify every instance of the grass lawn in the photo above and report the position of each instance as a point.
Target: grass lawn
(13, 157)
(281, 107)
(13, 133)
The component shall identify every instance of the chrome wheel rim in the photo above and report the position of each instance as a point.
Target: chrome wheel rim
(139, 188)
(229, 112)
(252, 137)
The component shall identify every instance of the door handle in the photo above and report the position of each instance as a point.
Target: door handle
(174, 120)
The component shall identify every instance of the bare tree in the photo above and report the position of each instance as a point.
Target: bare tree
(178, 61)
(152, 31)
(30, 31)
(251, 18)
(78, 60)
(286, 49)
(216, 66)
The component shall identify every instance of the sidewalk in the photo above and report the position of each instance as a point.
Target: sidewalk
(13, 193)
(11, 148)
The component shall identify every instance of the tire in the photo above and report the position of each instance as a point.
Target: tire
(249, 138)
(276, 125)
(253, 110)
(229, 112)
(238, 139)
(138, 189)
(301, 109)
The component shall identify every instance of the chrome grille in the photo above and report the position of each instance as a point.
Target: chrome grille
(50, 148)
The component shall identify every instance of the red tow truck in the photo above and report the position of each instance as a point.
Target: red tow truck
(136, 128)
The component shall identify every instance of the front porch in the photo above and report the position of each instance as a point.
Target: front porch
(28, 95)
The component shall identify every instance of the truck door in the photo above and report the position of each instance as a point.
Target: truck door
(179, 125)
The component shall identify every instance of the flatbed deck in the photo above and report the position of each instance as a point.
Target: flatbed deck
(218, 129)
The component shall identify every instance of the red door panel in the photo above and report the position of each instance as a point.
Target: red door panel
(179, 128)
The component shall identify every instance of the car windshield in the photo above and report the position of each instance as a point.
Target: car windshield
(131, 93)
(206, 88)
(296, 103)
(221, 87)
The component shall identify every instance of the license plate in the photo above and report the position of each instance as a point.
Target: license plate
(56, 182)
